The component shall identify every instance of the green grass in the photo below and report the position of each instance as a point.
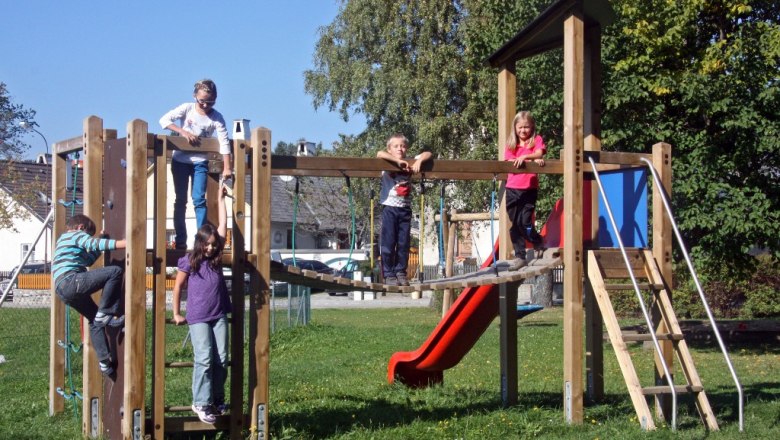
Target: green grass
(328, 380)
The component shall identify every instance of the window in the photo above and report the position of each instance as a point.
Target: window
(26, 248)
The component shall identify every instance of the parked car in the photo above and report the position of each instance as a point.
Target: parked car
(34, 268)
(315, 265)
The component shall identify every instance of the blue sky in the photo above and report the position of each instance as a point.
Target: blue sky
(123, 60)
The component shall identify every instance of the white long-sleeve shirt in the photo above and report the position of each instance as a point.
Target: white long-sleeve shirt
(187, 117)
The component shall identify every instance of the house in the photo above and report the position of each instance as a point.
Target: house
(25, 188)
(322, 220)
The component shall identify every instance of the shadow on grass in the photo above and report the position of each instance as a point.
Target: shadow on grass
(384, 413)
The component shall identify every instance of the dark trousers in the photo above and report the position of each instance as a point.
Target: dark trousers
(520, 206)
(75, 290)
(394, 240)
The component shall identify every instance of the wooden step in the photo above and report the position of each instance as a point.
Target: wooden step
(640, 337)
(642, 287)
(680, 389)
(183, 364)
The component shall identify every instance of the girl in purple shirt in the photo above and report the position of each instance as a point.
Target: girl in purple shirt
(208, 304)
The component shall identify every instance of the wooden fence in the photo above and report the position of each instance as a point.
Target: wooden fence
(42, 281)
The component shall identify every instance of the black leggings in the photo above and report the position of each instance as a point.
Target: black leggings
(520, 206)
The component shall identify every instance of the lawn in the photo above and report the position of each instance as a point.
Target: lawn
(328, 381)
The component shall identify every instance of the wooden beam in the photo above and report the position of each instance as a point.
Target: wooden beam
(594, 346)
(507, 108)
(158, 286)
(259, 315)
(662, 252)
(135, 279)
(93, 208)
(57, 314)
(238, 253)
(573, 257)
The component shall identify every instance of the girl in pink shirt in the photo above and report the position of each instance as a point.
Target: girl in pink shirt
(522, 188)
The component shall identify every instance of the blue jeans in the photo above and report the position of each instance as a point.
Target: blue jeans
(182, 173)
(394, 240)
(76, 289)
(210, 344)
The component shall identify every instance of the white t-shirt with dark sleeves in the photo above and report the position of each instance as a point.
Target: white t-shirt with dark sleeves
(188, 118)
(395, 188)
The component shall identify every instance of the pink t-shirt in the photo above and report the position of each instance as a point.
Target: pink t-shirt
(524, 180)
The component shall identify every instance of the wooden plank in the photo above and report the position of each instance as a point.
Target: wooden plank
(67, 146)
(613, 259)
(618, 158)
(643, 413)
(160, 179)
(644, 337)
(642, 287)
(573, 321)
(680, 389)
(92, 208)
(135, 278)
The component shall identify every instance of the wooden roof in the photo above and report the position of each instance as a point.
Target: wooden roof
(545, 32)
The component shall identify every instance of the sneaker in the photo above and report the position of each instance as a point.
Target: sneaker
(391, 281)
(402, 281)
(220, 408)
(204, 413)
(106, 369)
(109, 320)
(517, 263)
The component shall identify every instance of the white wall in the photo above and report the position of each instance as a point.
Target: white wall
(10, 251)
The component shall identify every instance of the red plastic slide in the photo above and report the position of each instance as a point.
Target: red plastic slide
(462, 326)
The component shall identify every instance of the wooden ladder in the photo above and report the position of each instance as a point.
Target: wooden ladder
(608, 264)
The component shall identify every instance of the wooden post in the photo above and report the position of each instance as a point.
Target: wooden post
(446, 301)
(259, 315)
(57, 318)
(93, 208)
(160, 292)
(135, 281)
(662, 252)
(572, 198)
(507, 101)
(239, 267)
(507, 312)
(594, 346)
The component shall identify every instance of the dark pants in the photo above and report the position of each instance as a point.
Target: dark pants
(394, 240)
(520, 206)
(76, 289)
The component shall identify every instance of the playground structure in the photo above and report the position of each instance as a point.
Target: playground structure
(115, 182)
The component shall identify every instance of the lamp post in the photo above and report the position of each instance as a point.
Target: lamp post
(30, 126)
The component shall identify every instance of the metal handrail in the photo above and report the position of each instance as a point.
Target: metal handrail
(681, 243)
(650, 326)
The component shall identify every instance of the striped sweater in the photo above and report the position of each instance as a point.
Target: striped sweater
(77, 250)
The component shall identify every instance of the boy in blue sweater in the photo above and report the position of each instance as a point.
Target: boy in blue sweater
(76, 250)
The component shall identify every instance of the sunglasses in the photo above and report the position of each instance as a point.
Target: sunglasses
(204, 102)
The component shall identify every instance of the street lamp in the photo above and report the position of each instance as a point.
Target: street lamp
(31, 126)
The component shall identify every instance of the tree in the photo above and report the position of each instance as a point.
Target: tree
(11, 146)
(702, 76)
